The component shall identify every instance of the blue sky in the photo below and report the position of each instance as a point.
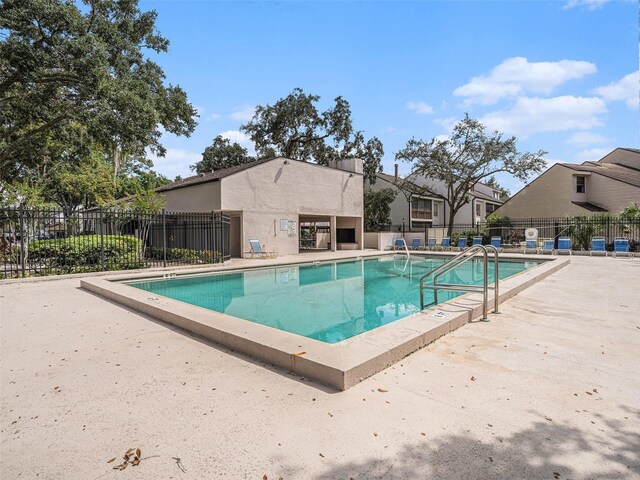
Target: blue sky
(560, 75)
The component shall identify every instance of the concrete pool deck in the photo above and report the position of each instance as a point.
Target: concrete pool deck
(550, 388)
(340, 365)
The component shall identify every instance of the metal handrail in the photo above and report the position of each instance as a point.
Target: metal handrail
(459, 260)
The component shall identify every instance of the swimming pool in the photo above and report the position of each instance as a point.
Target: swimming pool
(326, 301)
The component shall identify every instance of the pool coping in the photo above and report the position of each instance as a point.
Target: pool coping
(340, 365)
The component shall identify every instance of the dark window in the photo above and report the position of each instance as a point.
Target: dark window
(491, 208)
(346, 235)
(580, 185)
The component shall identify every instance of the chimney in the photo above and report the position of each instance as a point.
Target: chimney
(396, 170)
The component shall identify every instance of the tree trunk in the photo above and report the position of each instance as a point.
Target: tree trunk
(452, 216)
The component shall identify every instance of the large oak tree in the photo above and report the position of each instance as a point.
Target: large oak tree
(470, 155)
(294, 127)
(62, 63)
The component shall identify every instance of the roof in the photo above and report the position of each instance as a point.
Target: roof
(211, 176)
(615, 171)
(484, 196)
(408, 184)
(590, 206)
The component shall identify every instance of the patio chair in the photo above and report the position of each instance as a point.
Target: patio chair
(497, 243)
(530, 246)
(564, 245)
(415, 244)
(598, 245)
(462, 243)
(547, 246)
(431, 245)
(621, 247)
(399, 244)
(256, 249)
(445, 244)
(477, 241)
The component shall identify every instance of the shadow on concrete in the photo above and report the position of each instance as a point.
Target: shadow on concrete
(545, 450)
(216, 346)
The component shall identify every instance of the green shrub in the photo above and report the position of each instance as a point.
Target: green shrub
(184, 255)
(84, 253)
(469, 235)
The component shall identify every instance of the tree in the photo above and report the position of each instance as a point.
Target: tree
(631, 211)
(61, 63)
(222, 154)
(293, 127)
(467, 157)
(493, 183)
(377, 208)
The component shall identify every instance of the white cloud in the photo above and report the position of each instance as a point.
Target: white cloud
(245, 114)
(627, 89)
(212, 117)
(442, 138)
(421, 108)
(175, 162)
(517, 76)
(586, 138)
(530, 115)
(447, 123)
(592, 154)
(240, 138)
(588, 4)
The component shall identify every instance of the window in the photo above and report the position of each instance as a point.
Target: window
(435, 209)
(496, 195)
(581, 184)
(420, 209)
(491, 207)
(478, 209)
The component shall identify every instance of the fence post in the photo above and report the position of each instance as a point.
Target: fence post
(164, 238)
(101, 239)
(22, 258)
(213, 236)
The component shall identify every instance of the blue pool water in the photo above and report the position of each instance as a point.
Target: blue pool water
(329, 301)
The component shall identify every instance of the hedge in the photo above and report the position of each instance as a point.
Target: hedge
(84, 252)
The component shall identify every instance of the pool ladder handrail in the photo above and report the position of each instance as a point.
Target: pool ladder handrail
(459, 259)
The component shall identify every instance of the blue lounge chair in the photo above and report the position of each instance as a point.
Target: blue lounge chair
(477, 241)
(564, 245)
(598, 245)
(432, 244)
(621, 247)
(446, 243)
(497, 243)
(530, 246)
(399, 244)
(462, 243)
(256, 249)
(547, 246)
(415, 244)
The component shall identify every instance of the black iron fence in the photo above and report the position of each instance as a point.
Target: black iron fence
(580, 229)
(50, 241)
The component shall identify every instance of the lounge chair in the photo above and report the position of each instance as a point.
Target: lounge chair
(415, 244)
(400, 244)
(431, 245)
(445, 244)
(564, 245)
(530, 245)
(598, 245)
(462, 243)
(621, 247)
(477, 241)
(547, 246)
(256, 249)
(497, 243)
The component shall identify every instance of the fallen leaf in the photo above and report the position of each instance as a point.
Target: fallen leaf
(135, 462)
(112, 460)
(382, 390)
(298, 354)
(547, 418)
(264, 477)
(138, 452)
(321, 455)
(595, 390)
(473, 379)
(589, 393)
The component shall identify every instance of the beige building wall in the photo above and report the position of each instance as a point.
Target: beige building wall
(611, 194)
(204, 197)
(550, 195)
(274, 191)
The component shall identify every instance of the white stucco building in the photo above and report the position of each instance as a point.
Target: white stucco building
(269, 199)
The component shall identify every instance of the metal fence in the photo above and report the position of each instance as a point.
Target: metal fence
(50, 241)
(580, 229)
